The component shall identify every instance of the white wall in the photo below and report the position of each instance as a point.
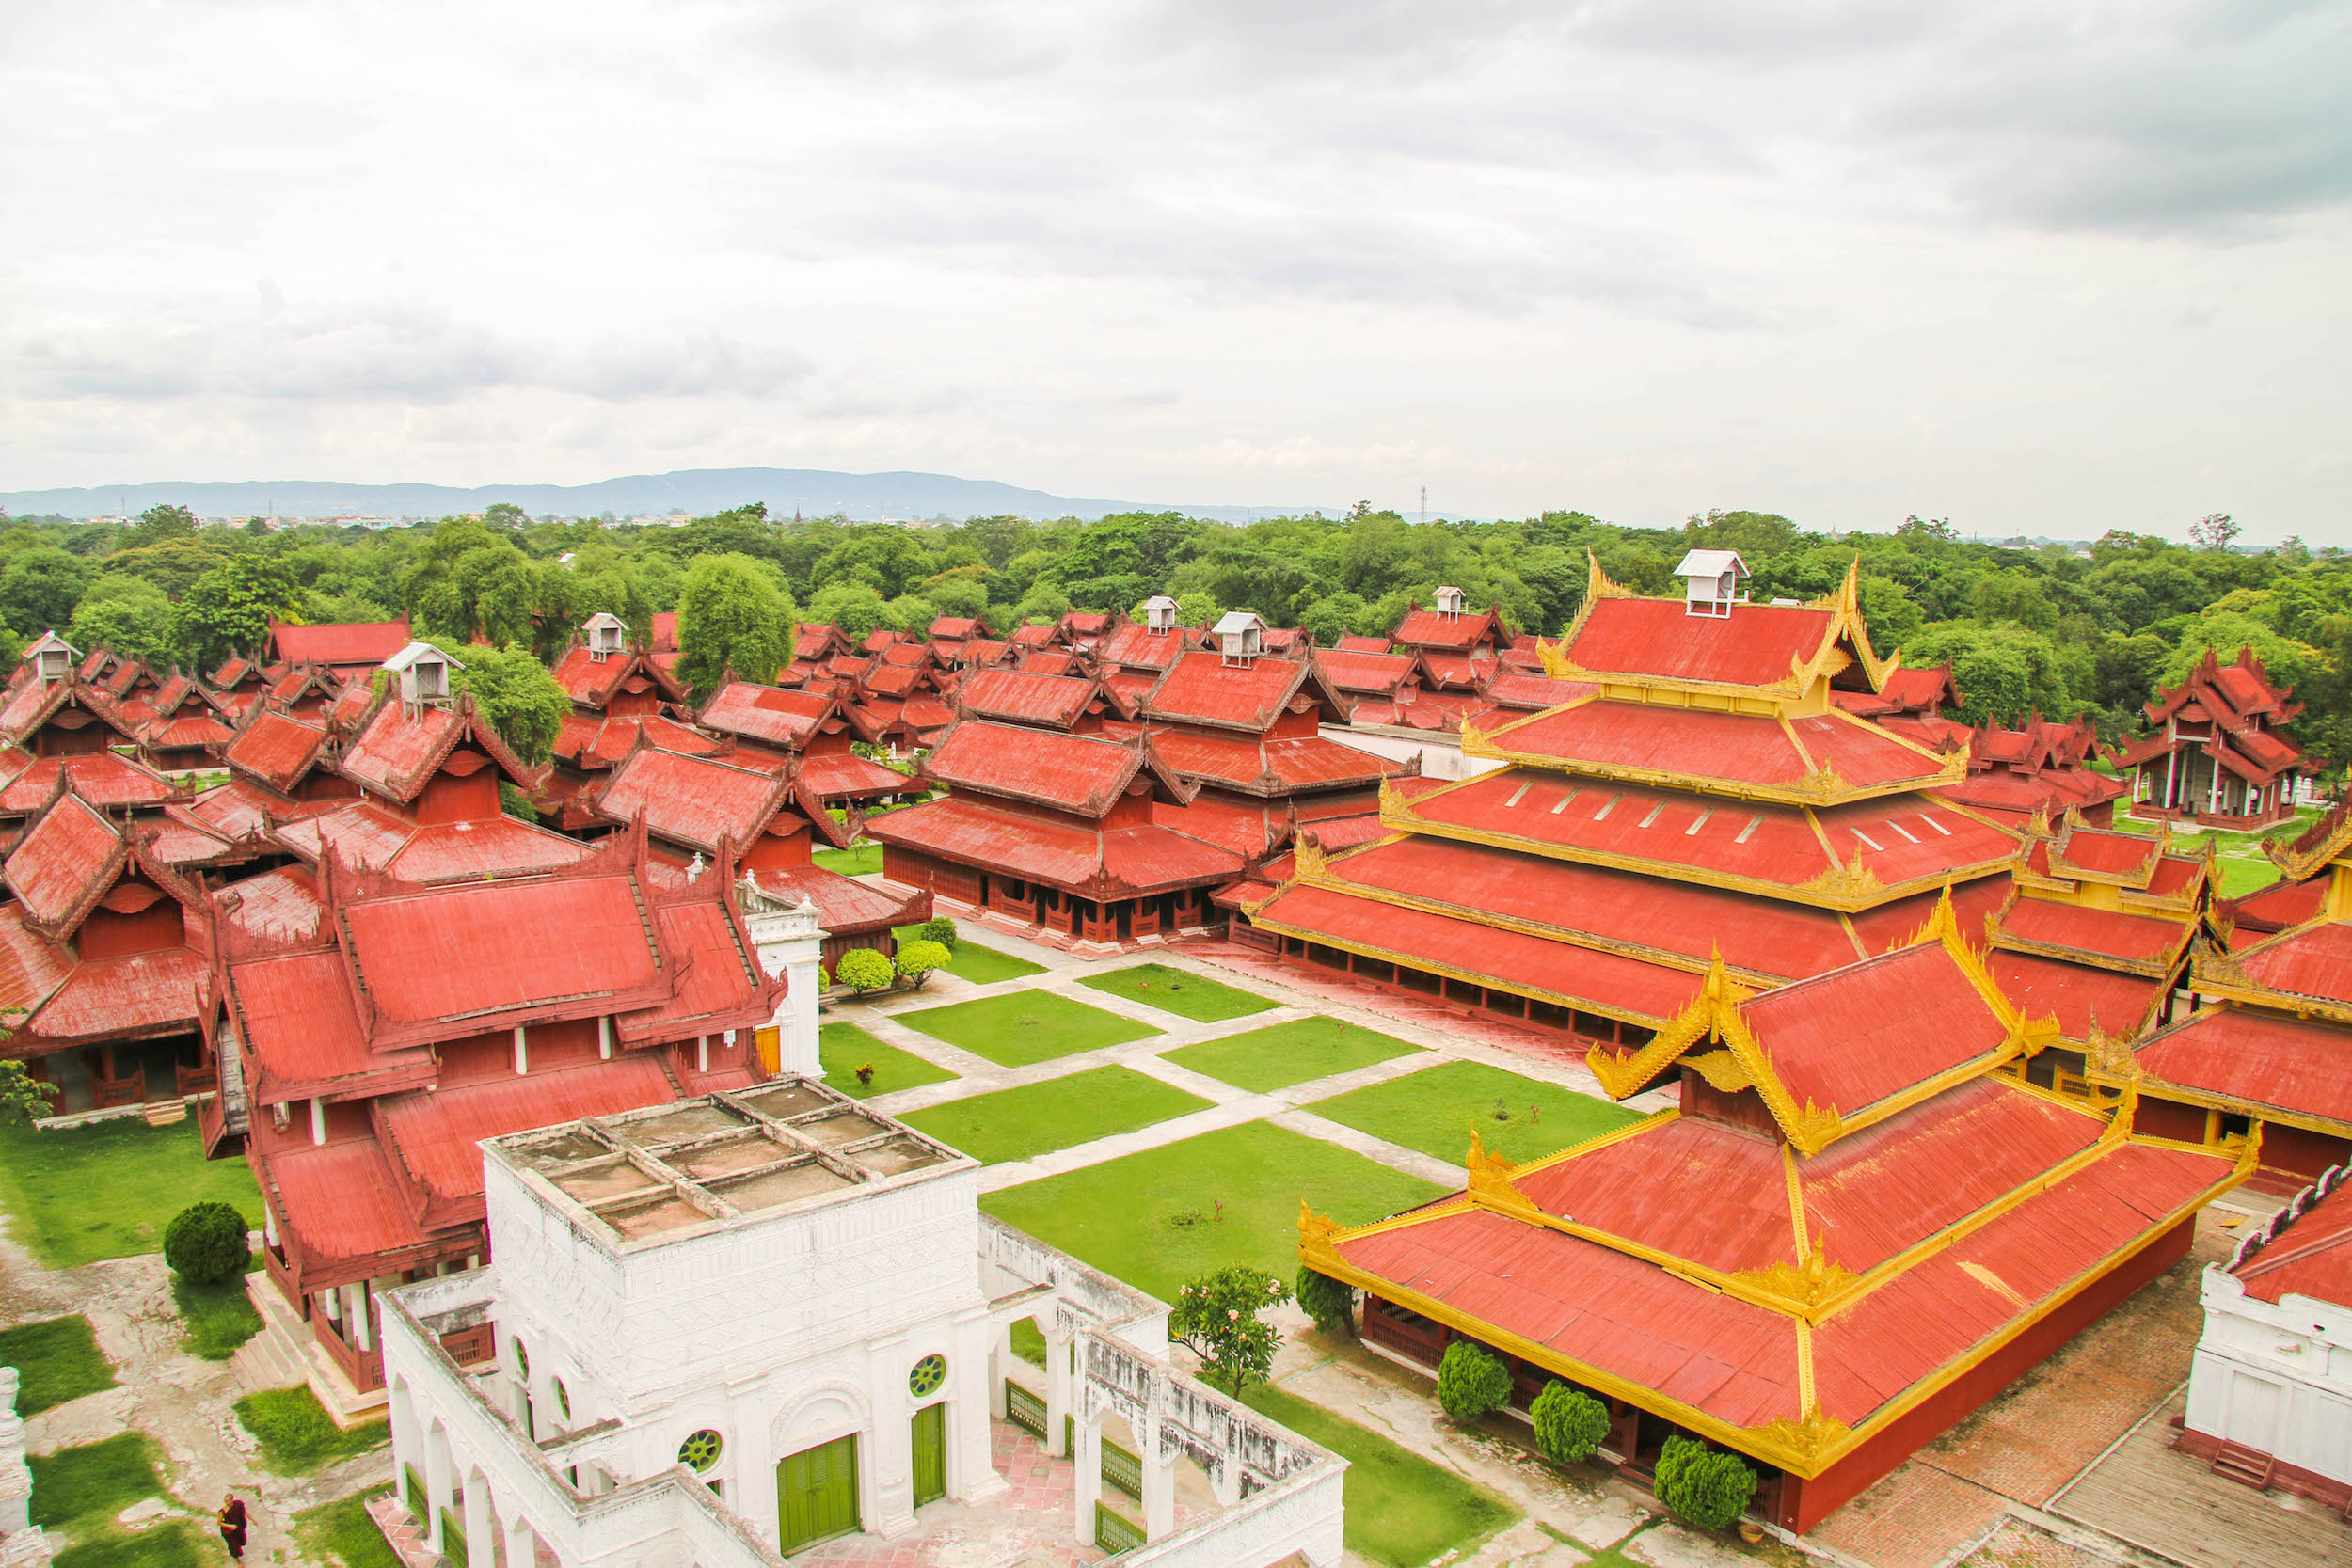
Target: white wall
(2274, 1378)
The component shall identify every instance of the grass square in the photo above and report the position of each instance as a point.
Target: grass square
(1434, 1110)
(296, 1434)
(173, 1543)
(97, 1479)
(219, 1318)
(1023, 1027)
(1402, 1510)
(979, 965)
(1282, 1054)
(1152, 1218)
(58, 1360)
(844, 1048)
(344, 1531)
(107, 1190)
(1179, 991)
(1059, 1113)
(859, 859)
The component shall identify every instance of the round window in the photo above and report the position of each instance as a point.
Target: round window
(522, 1360)
(928, 1375)
(563, 1400)
(700, 1451)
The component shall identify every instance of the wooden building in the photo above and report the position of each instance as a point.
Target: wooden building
(2221, 752)
(1703, 793)
(1854, 1229)
(345, 648)
(620, 700)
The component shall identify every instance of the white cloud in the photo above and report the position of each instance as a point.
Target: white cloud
(1638, 257)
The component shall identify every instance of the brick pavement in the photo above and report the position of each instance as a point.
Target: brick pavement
(1028, 1523)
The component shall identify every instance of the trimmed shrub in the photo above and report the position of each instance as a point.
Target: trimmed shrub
(916, 960)
(1569, 1423)
(862, 969)
(205, 1243)
(1471, 1381)
(940, 929)
(1705, 1486)
(1329, 1302)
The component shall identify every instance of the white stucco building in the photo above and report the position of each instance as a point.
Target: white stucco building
(2270, 1390)
(733, 1327)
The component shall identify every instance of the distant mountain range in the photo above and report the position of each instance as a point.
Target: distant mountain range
(813, 492)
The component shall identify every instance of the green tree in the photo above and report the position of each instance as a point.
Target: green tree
(862, 969)
(1571, 1424)
(158, 524)
(129, 614)
(731, 617)
(40, 588)
(917, 958)
(854, 607)
(1706, 1487)
(230, 608)
(172, 564)
(513, 691)
(504, 515)
(2004, 673)
(1217, 1318)
(1472, 1380)
(1331, 1303)
(23, 1098)
(205, 1243)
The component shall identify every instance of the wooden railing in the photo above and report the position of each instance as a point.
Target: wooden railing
(362, 1369)
(107, 1093)
(469, 1346)
(196, 1080)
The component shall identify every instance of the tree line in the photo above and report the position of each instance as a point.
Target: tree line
(2066, 630)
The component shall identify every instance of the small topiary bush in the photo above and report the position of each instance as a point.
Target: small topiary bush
(940, 929)
(916, 960)
(1569, 1423)
(1705, 1486)
(204, 1243)
(1329, 1302)
(1471, 1381)
(862, 969)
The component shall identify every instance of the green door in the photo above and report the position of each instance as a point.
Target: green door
(930, 1454)
(817, 1494)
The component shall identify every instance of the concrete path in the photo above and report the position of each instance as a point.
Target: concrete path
(182, 1403)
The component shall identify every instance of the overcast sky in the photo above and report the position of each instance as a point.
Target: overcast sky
(2036, 265)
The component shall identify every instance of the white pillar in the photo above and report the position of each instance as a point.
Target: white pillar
(701, 1052)
(790, 944)
(318, 1120)
(604, 1035)
(890, 1448)
(1090, 1478)
(438, 1482)
(481, 1525)
(16, 1477)
(971, 1372)
(356, 1316)
(1159, 1481)
(1060, 1385)
(522, 1052)
(522, 1544)
(1000, 1360)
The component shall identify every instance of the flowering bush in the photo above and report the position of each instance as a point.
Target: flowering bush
(1217, 1318)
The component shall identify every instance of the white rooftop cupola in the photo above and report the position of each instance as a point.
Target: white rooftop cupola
(1159, 613)
(52, 658)
(1449, 601)
(606, 634)
(1240, 635)
(1710, 581)
(423, 671)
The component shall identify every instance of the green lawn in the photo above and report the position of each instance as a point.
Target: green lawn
(59, 1360)
(1402, 1510)
(844, 1048)
(1173, 991)
(107, 1190)
(1028, 1342)
(219, 1318)
(341, 1533)
(861, 860)
(97, 1480)
(1282, 1054)
(1434, 1110)
(1153, 1220)
(1024, 1026)
(296, 1434)
(173, 1543)
(1061, 1112)
(981, 965)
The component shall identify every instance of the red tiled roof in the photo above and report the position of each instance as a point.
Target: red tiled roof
(1021, 697)
(32, 967)
(1117, 863)
(302, 1037)
(278, 749)
(1138, 647)
(1354, 643)
(1352, 671)
(693, 800)
(433, 1135)
(345, 644)
(1201, 688)
(663, 632)
(1076, 773)
(2310, 1256)
(589, 740)
(1032, 636)
(721, 982)
(845, 775)
(2281, 905)
(275, 907)
(1736, 751)
(2077, 994)
(342, 1201)
(374, 837)
(1270, 766)
(1241, 826)
(1516, 689)
(1428, 628)
(1865, 1032)
(2314, 961)
(1755, 645)
(64, 862)
(767, 713)
(844, 905)
(128, 996)
(2256, 1058)
(237, 808)
(2119, 934)
(101, 778)
(403, 747)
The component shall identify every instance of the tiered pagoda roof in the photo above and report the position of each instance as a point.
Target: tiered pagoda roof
(1854, 1208)
(2234, 718)
(1695, 763)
